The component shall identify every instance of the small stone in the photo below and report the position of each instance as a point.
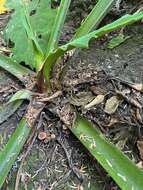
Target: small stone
(53, 136)
(42, 136)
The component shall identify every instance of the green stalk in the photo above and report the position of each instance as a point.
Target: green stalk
(10, 152)
(58, 25)
(54, 39)
(120, 168)
(97, 14)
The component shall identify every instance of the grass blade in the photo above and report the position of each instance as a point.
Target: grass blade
(58, 25)
(120, 168)
(94, 18)
(9, 154)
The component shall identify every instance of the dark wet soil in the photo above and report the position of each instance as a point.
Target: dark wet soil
(47, 164)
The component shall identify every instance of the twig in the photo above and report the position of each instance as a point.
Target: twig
(70, 163)
(47, 99)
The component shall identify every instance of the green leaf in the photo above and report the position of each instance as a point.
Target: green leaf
(19, 71)
(12, 149)
(118, 40)
(83, 41)
(23, 31)
(56, 30)
(94, 18)
(7, 110)
(21, 95)
(126, 174)
(10, 152)
(58, 25)
(45, 17)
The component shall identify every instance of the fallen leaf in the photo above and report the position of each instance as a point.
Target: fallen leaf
(116, 41)
(98, 100)
(137, 114)
(112, 104)
(140, 148)
(98, 90)
(113, 121)
(81, 99)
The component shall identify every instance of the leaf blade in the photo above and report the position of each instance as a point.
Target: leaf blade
(9, 154)
(7, 110)
(120, 168)
(23, 94)
(94, 18)
(83, 41)
(15, 69)
(58, 25)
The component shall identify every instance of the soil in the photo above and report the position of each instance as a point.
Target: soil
(48, 164)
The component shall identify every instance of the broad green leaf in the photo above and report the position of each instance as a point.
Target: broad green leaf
(10, 152)
(25, 34)
(23, 50)
(94, 18)
(19, 71)
(45, 17)
(126, 174)
(83, 41)
(21, 95)
(116, 41)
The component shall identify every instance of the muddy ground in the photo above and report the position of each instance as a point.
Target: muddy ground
(60, 161)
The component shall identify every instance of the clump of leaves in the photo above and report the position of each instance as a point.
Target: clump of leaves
(34, 31)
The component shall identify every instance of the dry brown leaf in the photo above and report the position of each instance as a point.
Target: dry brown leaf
(113, 121)
(140, 148)
(137, 114)
(81, 99)
(98, 100)
(98, 90)
(112, 104)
